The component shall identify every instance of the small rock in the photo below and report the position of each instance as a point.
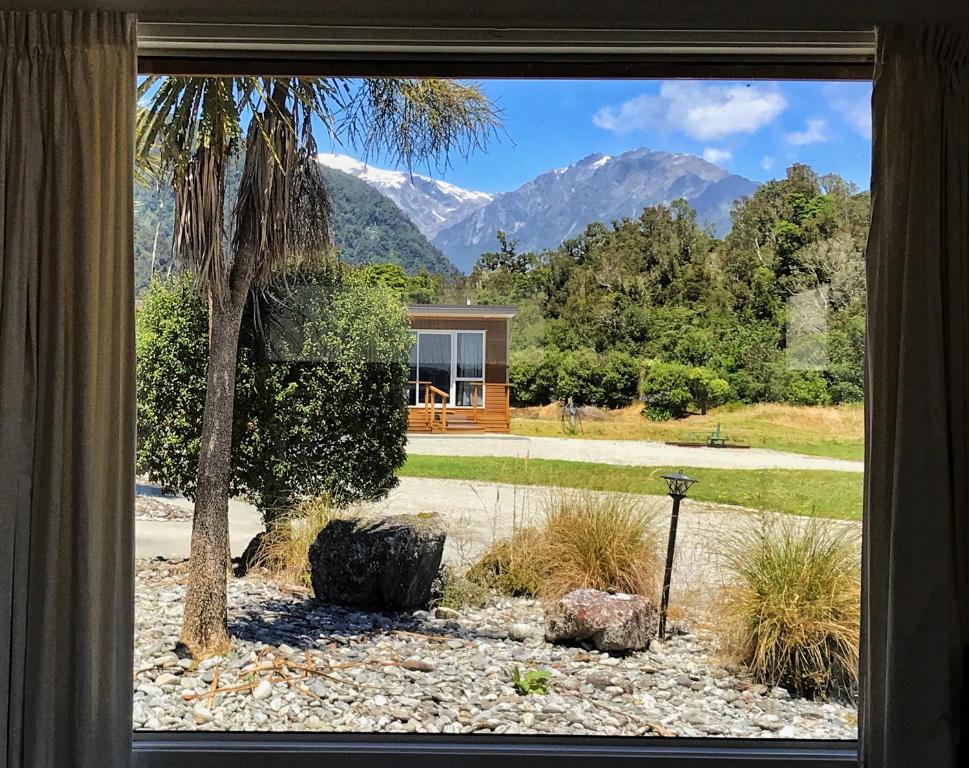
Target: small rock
(202, 713)
(262, 691)
(522, 632)
(416, 665)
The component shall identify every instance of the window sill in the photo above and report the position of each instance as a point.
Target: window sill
(272, 750)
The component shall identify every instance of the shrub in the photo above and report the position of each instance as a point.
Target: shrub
(329, 417)
(791, 607)
(707, 389)
(540, 376)
(619, 379)
(579, 376)
(585, 540)
(532, 375)
(171, 351)
(807, 388)
(670, 390)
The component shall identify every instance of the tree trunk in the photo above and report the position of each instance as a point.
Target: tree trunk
(204, 628)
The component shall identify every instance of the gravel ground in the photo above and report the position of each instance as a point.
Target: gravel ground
(298, 665)
(476, 514)
(154, 509)
(634, 452)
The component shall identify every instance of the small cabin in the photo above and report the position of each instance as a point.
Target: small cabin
(459, 368)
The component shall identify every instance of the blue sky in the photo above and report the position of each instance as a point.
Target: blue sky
(755, 129)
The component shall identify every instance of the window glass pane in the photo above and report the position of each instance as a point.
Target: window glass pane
(654, 317)
(435, 361)
(470, 364)
(468, 393)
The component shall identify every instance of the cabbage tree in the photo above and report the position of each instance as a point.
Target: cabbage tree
(191, 130)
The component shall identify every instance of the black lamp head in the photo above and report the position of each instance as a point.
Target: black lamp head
(679, 484)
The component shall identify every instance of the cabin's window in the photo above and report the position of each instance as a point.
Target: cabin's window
(449, 361)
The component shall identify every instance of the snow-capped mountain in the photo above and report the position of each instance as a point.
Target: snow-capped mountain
(560, 203)
(431, 204)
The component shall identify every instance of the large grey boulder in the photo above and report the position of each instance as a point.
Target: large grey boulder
(612, 622)
(385, 563)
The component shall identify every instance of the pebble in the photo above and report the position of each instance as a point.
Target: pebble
(458, 685)
(262, 691)
(522, 632)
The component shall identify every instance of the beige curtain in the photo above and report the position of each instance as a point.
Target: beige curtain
(916, 560)
(66, 389)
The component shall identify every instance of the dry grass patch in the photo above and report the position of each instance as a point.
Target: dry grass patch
(284, 549)
(834, 431)
(791, 611)
(583, 540)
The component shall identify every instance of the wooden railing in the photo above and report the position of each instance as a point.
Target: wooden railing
(475, 385)
(435, 418)
(438, 416)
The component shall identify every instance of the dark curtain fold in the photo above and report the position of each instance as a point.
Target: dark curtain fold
(66, 389)
(916, 559)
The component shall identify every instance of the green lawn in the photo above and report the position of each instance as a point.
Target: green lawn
(832, 431)
(792, 491)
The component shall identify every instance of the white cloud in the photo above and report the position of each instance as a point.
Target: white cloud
(700, 110)
(767, 162)
(717, 156)
(814, 133)
(852, 101)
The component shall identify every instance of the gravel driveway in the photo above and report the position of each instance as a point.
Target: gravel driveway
(634, 452)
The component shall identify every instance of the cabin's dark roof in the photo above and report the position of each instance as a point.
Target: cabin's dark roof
(460, 310)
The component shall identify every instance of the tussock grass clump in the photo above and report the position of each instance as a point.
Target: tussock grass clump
(584, 540)
(791, 611)
(513, 566)
(454, 589)
(601, 541)
(284, 550)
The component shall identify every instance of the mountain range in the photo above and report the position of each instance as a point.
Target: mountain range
(431, 204)
(557, 204)
(367, 227)
(422, 223)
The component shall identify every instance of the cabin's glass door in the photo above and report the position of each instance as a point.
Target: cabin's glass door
(434, 363)
(469, 368)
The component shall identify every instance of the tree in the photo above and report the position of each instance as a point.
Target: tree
(191, 129)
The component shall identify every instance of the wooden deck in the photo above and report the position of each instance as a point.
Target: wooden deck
(494, 416)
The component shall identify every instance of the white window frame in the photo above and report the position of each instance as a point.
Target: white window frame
(455, 379)
(217, 48)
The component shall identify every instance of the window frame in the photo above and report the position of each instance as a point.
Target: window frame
(214, 49)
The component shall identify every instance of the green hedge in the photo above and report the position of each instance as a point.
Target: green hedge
(329, 417)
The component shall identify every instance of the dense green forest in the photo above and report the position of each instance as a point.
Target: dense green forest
(367, 228)
(655, 307)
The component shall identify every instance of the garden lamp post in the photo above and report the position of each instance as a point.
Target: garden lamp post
(679, 484)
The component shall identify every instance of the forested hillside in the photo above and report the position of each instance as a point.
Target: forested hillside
(655, 307)
(367, 228)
